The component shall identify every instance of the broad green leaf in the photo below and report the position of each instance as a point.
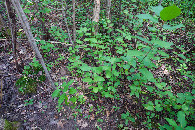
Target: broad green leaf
(158, 107)
(107, 58)
(72, 90)
(108, 74)
(181, 118)
(149, 88)
(152, 29)
(181, 98)
(61, 99)
(177, 106)
(112, 88)
(185, 107)
(93, 40)
(160, 85)
(182, 56)
(132, 70)
(128, 37)
(64, 84)
(70, 82)
(179, 128)
(26, 11)
(133, 63)
(148, 107)
(190, 128)
(84, 29)
(120, 50)
(158, 101)
(170, 94)
(171, 122)
(147, 74)
(116, 84)
(116, 73)
(170, 12)
(147, 16)
(98, 78)
(166, 45)
(134, 53)
(189, 97)
(90, 87)
(113, 60)
(46, 10)
(80, 96)
(193, 91)
(163, 54)
(95, 89)
(106, 67)
(107, 94)
(85, 67)
(120, 39)
(73, 99)
(167, 127)
(86, 39)
(87, 79)
(147, 62)
(56, 93)
(165, 26)
(157, 9)
(65, 88)
(97, 70)
(143, 39)
(126, 66)
(151, 103)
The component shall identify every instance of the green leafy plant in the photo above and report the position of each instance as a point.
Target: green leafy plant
(181, 120)
(121, 61)
(33, 75)
(134, 66)
(67, 94)
(170, 12)
(11, 125)
(30, 102)
(127, 117)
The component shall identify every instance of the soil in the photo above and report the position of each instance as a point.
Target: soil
(43, 113)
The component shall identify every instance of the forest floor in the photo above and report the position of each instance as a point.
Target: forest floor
(43, 114)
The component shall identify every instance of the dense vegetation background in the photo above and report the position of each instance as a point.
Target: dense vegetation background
(120, 63)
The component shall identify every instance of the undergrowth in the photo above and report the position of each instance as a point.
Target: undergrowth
(121, 62)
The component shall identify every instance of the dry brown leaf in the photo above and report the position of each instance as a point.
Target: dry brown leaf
(60, 124)
(107, 113)
(82, 123)
(92, 117)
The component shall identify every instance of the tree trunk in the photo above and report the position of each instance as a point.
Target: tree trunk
(12, 23)
(74, 24)
(96, 12)
(108, 16)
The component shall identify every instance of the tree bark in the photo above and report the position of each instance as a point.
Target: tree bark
(96, 12)
(12, 24)
(73, 19)
(108, 10)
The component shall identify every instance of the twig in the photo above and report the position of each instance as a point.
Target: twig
(64, 15)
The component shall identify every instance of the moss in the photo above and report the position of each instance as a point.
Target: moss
(11, 125)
